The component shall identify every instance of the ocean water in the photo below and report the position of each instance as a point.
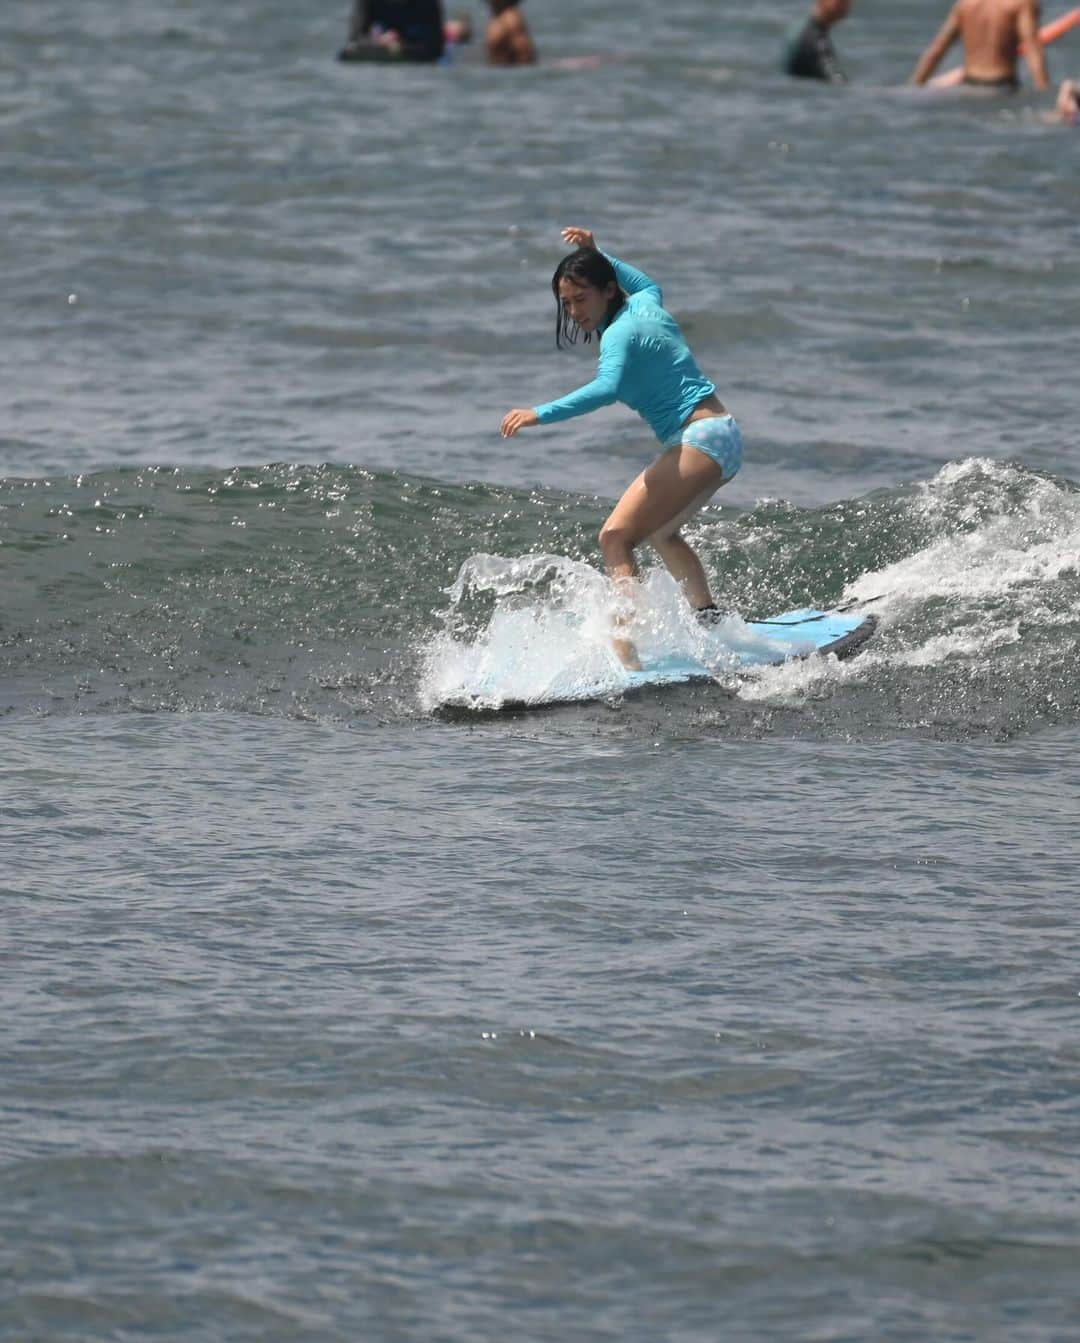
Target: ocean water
(743, 1010)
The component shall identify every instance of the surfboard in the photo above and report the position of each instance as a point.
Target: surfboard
(731, 647)
(1049, 32)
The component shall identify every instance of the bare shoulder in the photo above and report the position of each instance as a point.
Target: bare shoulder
(498, 29)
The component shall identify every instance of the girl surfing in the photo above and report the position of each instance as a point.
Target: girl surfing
(646, 364)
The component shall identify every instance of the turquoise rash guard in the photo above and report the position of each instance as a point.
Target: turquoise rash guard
(644, 363)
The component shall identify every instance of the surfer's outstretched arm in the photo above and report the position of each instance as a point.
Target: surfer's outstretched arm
(631, 280)
(589, 296)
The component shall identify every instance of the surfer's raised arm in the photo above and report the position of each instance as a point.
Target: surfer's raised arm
(630, 281)
(646, 364)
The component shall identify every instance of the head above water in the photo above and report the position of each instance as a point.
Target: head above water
(829, 12)
(587, 294)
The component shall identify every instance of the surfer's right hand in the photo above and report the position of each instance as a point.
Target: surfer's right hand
(514, 420)
(579, 237)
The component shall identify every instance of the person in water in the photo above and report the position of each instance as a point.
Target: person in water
(508, 39)
(992, 32)
(808, 50)
(395, 30)
(458, 30)
(646, 364)
(1067, 106)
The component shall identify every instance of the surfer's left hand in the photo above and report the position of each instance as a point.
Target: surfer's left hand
(579, 237)
(514, 420)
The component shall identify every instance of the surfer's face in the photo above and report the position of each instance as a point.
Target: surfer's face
(585, 304)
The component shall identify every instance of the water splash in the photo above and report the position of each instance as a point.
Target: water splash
(548, 637)
(999, 576)
(1011, 557)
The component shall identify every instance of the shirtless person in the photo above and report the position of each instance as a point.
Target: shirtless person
(507, 37)
(1067, 107)
(992, 32)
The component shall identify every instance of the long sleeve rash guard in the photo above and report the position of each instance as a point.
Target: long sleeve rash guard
(809, 54)
(644, 362)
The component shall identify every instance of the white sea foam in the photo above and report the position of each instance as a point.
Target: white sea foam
(1009, 538)
(1017, 543)
(549, 636)
(1021, 537)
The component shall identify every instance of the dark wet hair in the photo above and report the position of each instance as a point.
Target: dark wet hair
(589, 267)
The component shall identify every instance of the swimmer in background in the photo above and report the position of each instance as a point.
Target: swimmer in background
(507, 37)
(808, 50)
(395, 30)
(1067, 107)
(992, 31)
(646, 364)
(458, 30)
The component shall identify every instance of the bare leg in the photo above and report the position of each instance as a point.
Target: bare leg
(655, 505)
(680, 559)
(683, 565)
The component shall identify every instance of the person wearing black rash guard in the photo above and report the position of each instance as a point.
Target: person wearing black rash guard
(395, 30)
(808, 52)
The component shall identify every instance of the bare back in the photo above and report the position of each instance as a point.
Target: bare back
(992, 31)
(508, 40)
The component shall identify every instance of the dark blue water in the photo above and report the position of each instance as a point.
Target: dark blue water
(743, 1010)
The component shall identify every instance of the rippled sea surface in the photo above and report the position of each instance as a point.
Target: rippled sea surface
(743, 1011)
